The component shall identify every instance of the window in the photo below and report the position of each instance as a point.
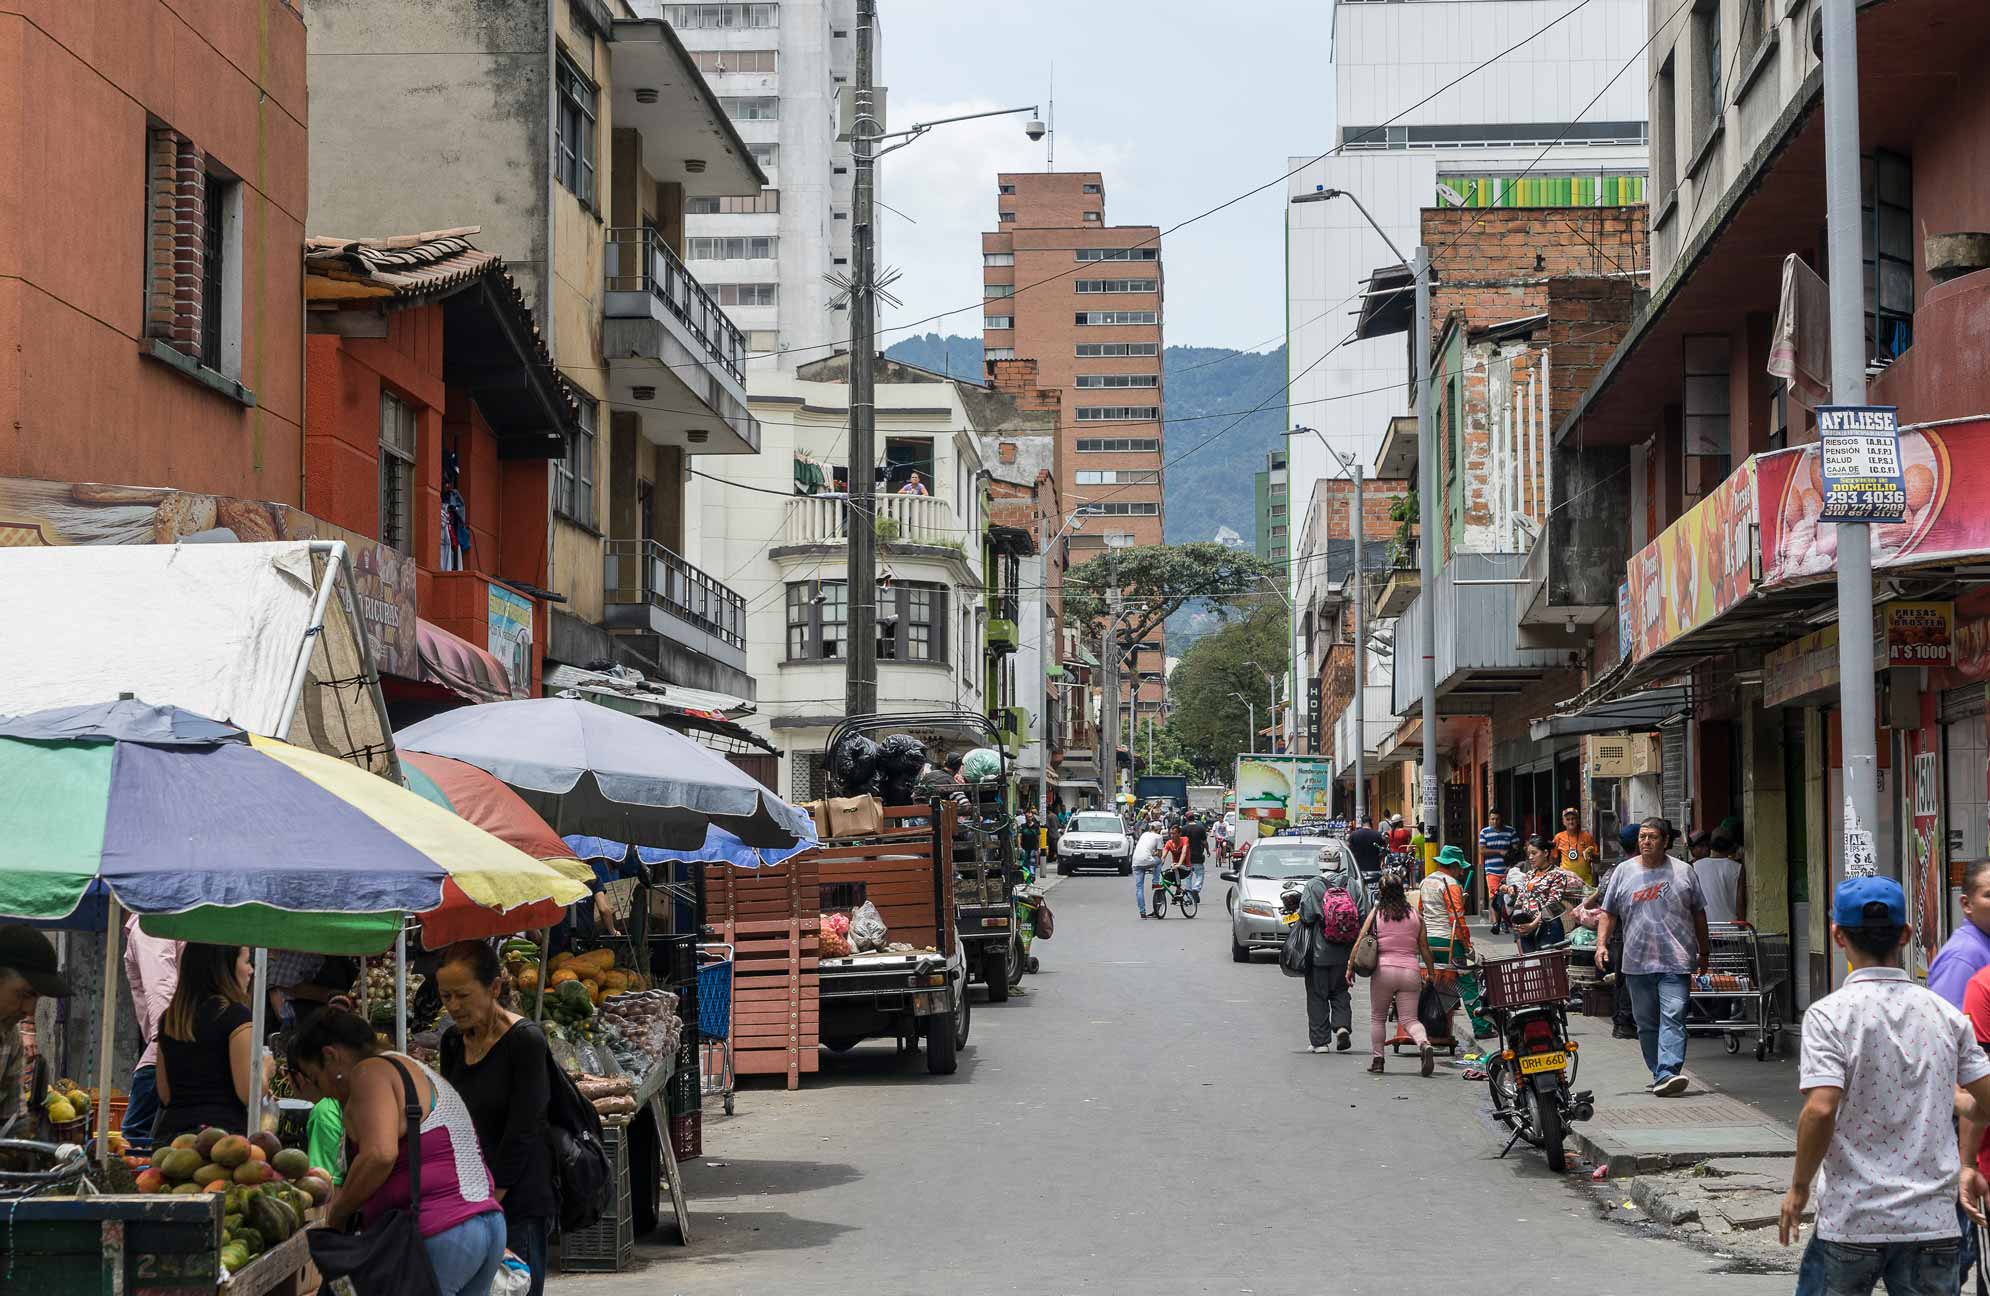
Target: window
(1092, 189)
(1118, 317)
(839, 215)
(1755, 28)
(1094, 217)
(1119, 380)
(765, 155)
(1664, 137)
(1126, 508)
(751, 248)
(767, 200)
(397, 473)
(723, 62)
(1117, 285)
(998, 321)
(1117, 413)
(1119, 445)
(1119, 254)
(1706, 37)
(998, 353)
(573, 476)
(715, 17)
(213, 268)
(998, 258)
(998, 290)
(1704, 410)
(746, 294)
(1119, 539)
(1089, 349)
(1005, 188)
(1005, 218)
(573, 137)
(1540, 134)
(193, 215)
(1887, 243)
(751, 107)
(1278, 510)
(1117, 477)
(762, 340)
(912, 621)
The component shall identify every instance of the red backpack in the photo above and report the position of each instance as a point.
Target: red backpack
(1340, 918)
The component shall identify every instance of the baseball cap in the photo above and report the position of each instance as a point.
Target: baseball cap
(1855, 895)
(28, 952)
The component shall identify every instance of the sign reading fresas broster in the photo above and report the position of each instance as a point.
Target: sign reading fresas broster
(1860, 450)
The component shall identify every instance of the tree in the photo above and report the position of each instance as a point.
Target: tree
(1157, 581)
(1211, 725)
(1168, 757)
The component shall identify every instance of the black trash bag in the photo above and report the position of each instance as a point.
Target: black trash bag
(853, 765)
(1297, 952)
(1433, 1012)
(901, 758)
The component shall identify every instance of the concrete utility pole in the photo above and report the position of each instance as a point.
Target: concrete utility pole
(860, 654)
(1360, 657)
(1848, 387)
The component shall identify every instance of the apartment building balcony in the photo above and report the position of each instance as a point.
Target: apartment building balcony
(673, 356)
(1401, 583)
(1004, 621)
(1478, 658)
(918, 520)
(650, 590)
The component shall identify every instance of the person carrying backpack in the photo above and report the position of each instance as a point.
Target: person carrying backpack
(1330, 909)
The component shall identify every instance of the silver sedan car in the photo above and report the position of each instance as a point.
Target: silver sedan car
(1274, 866)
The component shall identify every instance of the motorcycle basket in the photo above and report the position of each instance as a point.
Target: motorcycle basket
(1529, 979)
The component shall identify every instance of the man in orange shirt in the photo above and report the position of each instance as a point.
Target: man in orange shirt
(1575, 850)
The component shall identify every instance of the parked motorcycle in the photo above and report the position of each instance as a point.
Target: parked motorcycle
(1532, 1073)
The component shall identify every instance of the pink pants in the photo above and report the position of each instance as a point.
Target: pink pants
(1402, 985)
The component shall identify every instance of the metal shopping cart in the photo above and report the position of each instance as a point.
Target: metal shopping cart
(1742, 990)
(715, 1019)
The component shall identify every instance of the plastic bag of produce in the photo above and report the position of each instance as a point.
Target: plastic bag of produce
(981, 763)
(854, 765)
(867, 929)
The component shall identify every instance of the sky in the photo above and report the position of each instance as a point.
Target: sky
(1180, 105)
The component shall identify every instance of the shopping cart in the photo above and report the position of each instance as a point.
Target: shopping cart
(715, 1019)
(1742, 989)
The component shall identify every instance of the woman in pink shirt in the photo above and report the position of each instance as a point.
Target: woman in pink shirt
(1399, 971)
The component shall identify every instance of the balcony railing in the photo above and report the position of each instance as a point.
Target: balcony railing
(640, 261)
(643, 571)
(901, 519)
(1005, 607)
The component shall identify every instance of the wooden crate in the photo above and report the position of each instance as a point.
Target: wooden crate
(769, 916)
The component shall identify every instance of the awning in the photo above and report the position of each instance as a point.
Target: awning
(630, 691)
(1596, 710)
(458, 665)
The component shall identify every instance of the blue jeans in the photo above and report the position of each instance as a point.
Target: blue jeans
(1195, 883)
(465, 1258)
(1853, 1268)
(1144, 877)
(1658, 1001)
(143, 1108)
(526, 1238)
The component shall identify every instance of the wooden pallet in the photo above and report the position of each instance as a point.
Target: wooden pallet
(770, 915)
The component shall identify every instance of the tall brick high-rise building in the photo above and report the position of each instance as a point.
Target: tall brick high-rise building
(1082, 300)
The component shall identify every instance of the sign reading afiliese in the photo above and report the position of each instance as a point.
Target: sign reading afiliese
(35, 513)
(1859, 457)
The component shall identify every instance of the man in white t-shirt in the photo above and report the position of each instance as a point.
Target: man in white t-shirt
(1883, 1057)
(1146, 859)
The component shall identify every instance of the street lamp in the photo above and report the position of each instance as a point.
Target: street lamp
(1352, 465)
(1426, 496)
(1072, 522)
(1251, 716)
(1271, 682)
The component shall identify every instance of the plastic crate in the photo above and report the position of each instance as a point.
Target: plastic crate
(687, 1135)
(607, 1245)
(1529, 979)
(715, 1000)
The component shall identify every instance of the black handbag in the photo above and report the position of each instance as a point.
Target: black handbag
(388, 1258)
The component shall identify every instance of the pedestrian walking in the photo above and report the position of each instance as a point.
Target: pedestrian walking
(1882, 1060)
(1441, 902)
(1330, 909)
(1496, 842)
(1967, 950)
(497, 1061)
(1197, 832)
(1146, 866)
(1368, 846)
(1656, 899)
(1404, 962)
(1722, 880)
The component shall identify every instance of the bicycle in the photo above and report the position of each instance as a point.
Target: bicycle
(1172, 885)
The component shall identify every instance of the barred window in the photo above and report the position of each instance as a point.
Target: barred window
(1118, 413)
(1119, 380)
(1118, 285)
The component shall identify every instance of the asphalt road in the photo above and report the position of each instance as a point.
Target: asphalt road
(1147, 1120)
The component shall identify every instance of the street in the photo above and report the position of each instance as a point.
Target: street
(1146, 1119)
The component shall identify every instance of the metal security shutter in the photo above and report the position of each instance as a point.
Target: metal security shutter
(1672, 779)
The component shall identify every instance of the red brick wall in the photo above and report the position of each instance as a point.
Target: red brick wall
(1495, 264)
(1587, 318)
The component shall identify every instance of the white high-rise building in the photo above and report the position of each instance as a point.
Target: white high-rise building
(1480, 142)
(777, 68)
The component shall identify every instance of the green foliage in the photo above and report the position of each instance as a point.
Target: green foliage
(1159, 580)
(1170, 756)
(1211, 725)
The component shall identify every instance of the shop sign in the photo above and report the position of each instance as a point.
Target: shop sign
(1623, 620)
(1699, 568)
(1288, 789)
(1945, 475)
(35, 513)
(1859, 454)
(1797, 670)
(510, 637)
(1918, 634)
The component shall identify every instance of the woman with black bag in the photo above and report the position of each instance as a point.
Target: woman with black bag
(411, 1141)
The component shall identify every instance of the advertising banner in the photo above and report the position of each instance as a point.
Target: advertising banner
(35, 512)
(1918, 634)
(1859, 454)
(1281, 790)
(1699, 568)
(511, 637)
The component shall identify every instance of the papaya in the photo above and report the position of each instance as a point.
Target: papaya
(561, 960)
(273, 1219)
(230, 1151)
(234, 1257)
(251, 1240)
(563, 975)
(600, 960)
(528, 979)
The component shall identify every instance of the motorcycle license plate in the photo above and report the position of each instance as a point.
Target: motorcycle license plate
(1289, 919)
(1540, 1062)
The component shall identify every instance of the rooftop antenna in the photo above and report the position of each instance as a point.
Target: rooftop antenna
(1050, 133)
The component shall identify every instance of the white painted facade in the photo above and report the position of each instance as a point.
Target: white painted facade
(759, 538)
(1496, 122)
(815, 46)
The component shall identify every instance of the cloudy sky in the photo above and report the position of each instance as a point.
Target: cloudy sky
(1180, 105)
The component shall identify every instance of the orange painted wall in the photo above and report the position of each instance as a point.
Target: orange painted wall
(78, 80)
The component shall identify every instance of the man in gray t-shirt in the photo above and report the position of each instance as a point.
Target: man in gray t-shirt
(1658, 901)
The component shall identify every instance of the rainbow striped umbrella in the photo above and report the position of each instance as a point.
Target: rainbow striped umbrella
(213, 833)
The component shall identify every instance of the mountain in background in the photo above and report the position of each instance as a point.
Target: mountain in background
(1215, 440)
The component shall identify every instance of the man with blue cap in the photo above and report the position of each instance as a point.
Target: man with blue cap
(1882, 1059)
